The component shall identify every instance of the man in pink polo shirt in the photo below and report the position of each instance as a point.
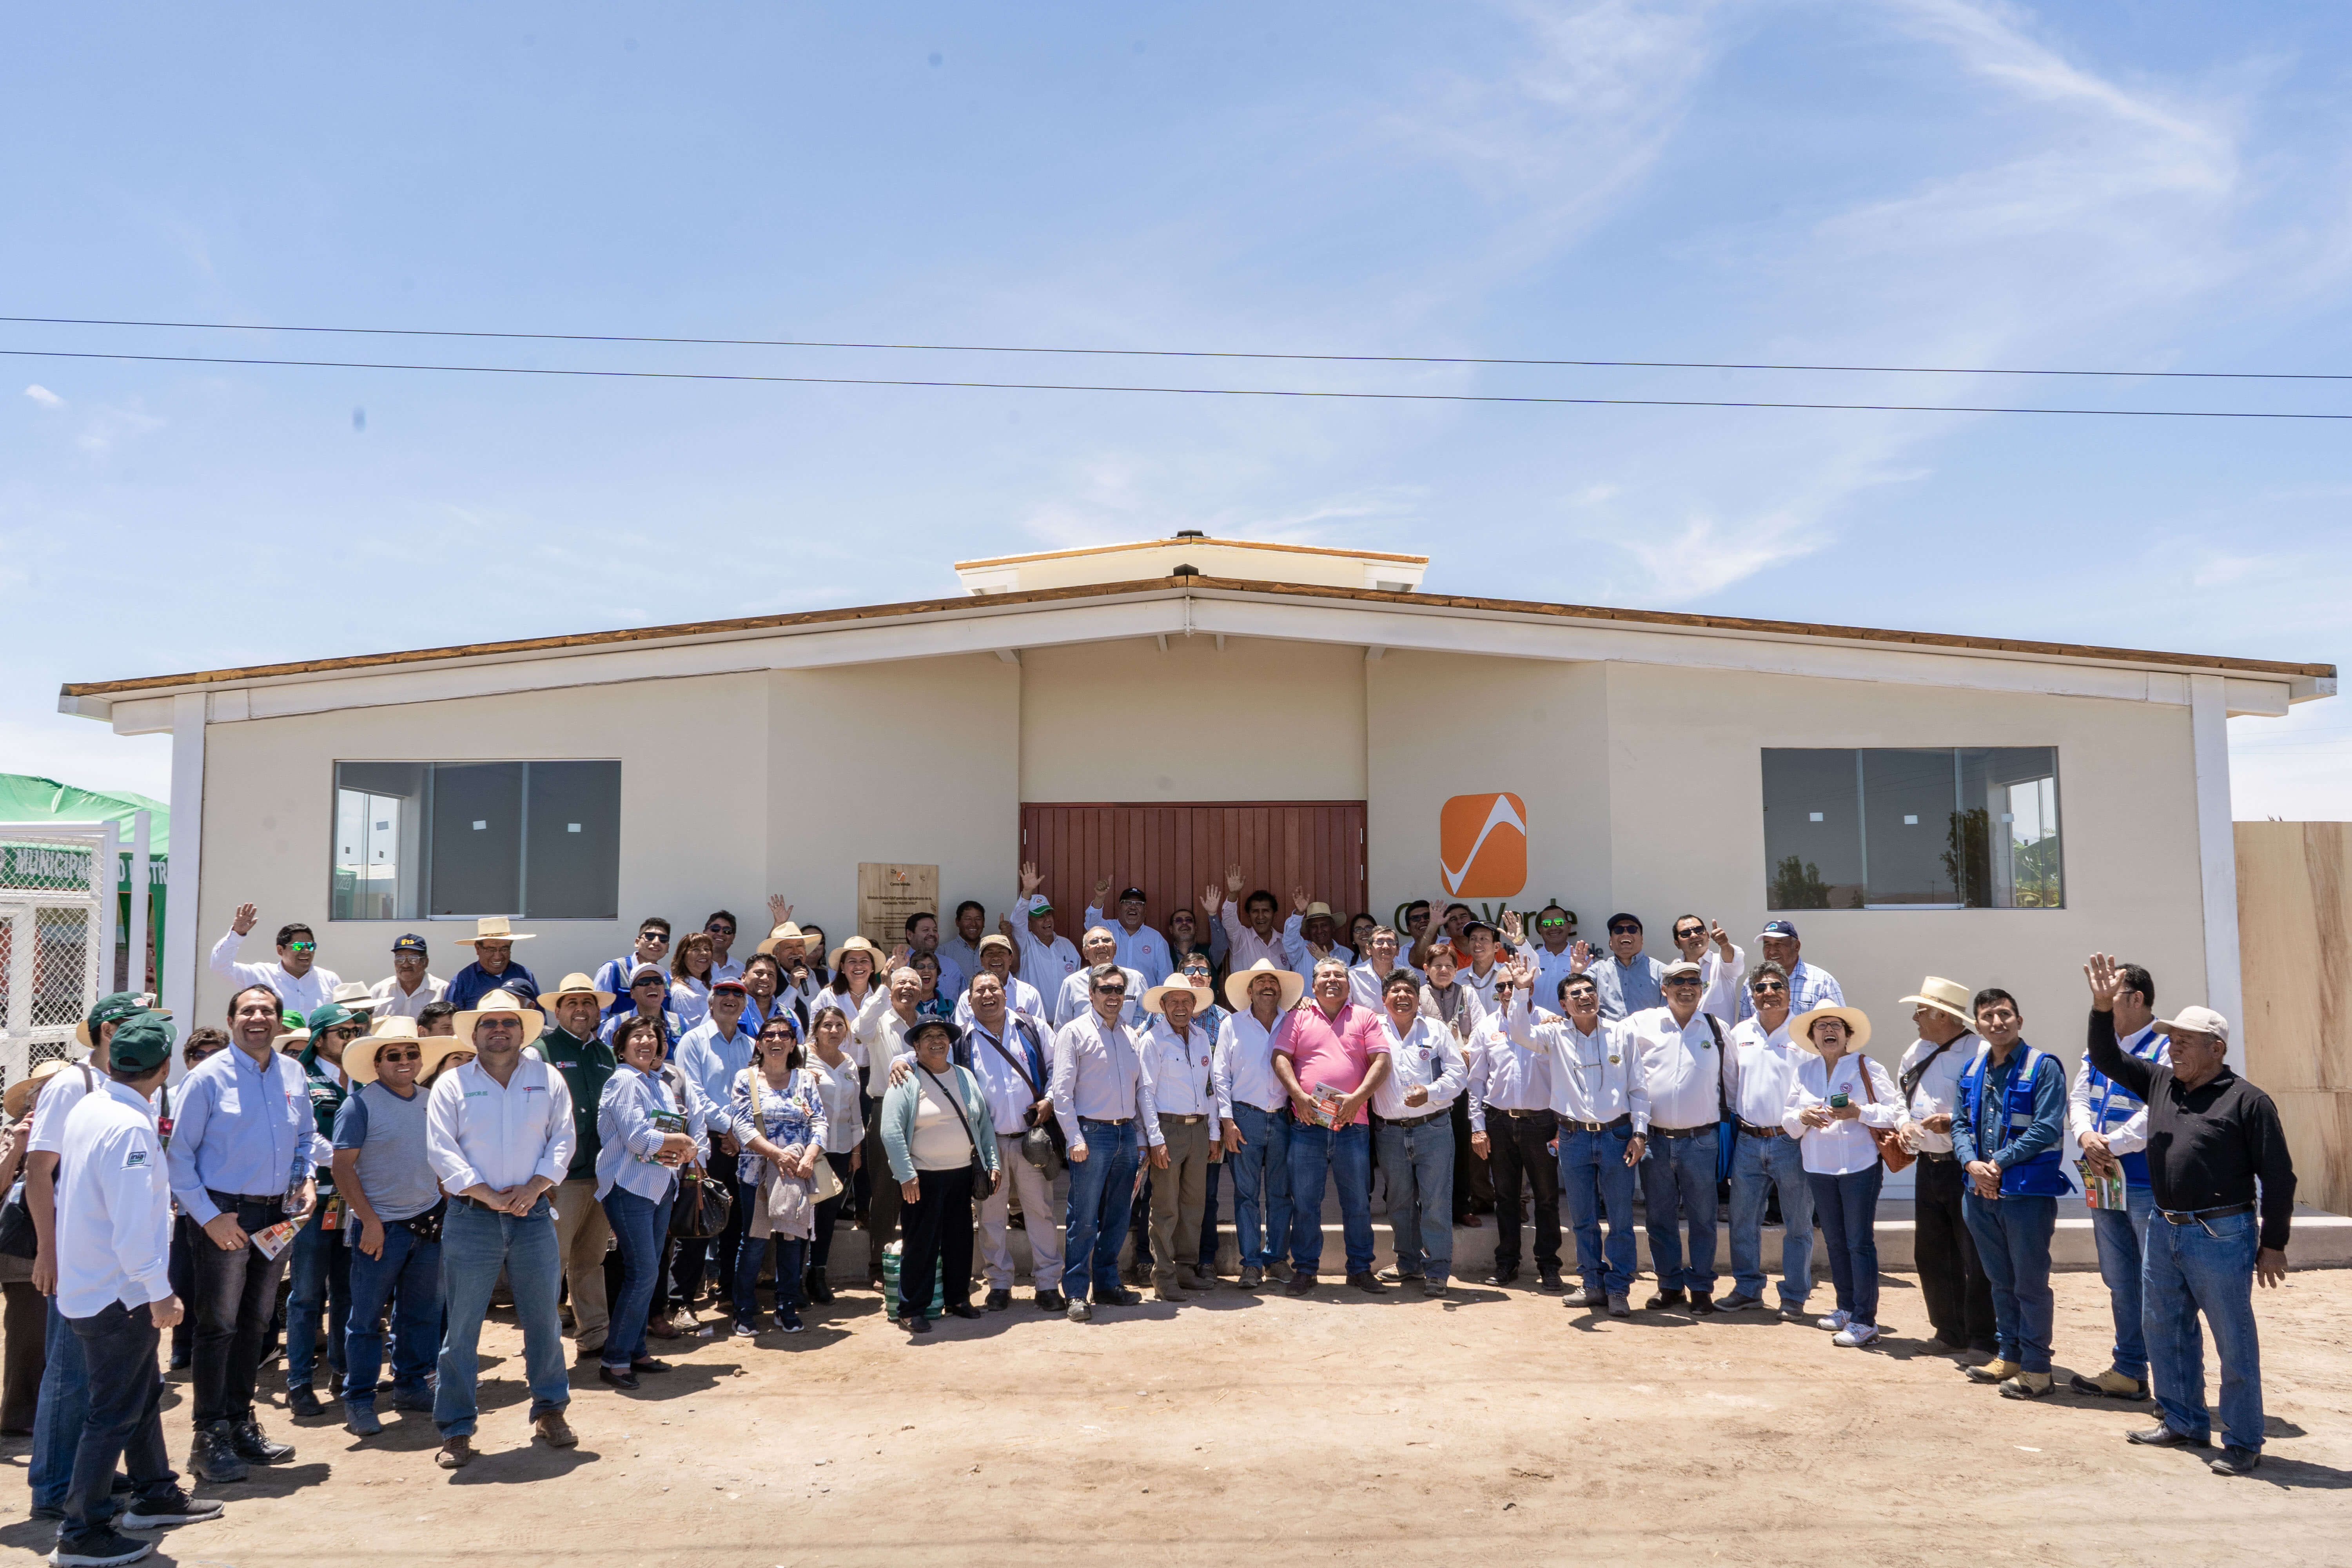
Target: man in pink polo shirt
(1330, 1059)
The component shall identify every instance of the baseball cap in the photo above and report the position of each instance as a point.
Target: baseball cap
(1127, 893)
(1035, 904)
(735, 986)
(1686, 969)
(1778, 929)
(409, 942)
(142, 1044)
(2192, 1021)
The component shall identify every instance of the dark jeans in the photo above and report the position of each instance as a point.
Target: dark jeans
(1598, 1181)
(1520, 1152)
(639, 1225)
(1952, 1282)
(2206, 1265)
(322, 1284)
(236, 1293)
(1209, 1217)
(828, 1214)
(1678, 1179)
(1341, 1157)
(1847, 1206)
(187, 1234)
(792, 1258)
(938, 1240)
(1474, 1178)
(64, 1406)
(1102, 1185)
(125, 1421)
(715, 1253)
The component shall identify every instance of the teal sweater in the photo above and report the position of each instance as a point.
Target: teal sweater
(896, 1117)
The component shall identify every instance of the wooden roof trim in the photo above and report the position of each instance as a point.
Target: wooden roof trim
(969, 605)
(1181, 543)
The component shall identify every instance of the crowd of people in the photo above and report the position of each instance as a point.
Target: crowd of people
(353, 1173)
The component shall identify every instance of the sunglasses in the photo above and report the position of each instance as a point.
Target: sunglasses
(385, 1058)
(1111, 990)
(1552, 924)
(299, 946)
(1690, 931)
(657, 941)
(1625, 931)
(719, 930)
(1681, 980)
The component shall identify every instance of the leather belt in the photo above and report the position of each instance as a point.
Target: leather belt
(1419, 1120)
(1752, 1131)
(1624, 1120)
(1521, 1115)
(1107, 1121)
(1184, 1119)
(1933, 1158)
(2191, 1217)
(1705, 1128)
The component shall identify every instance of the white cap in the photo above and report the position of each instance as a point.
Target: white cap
(1034, 902)
(2197, 1021)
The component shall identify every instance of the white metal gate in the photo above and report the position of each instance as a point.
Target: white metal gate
(56, 927)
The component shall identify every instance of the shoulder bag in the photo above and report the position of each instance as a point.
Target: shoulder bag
(825, 1184)
(1891, 1152)
(1041, 1145)
(702, 1206)
(982, 1182)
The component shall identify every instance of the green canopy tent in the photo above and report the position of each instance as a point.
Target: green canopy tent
(25, 797)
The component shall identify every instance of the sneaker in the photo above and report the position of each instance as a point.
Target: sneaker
(1585, 1296)
(556, 1430)
(1793, 1312)
(1666, 1298)
(1400, 1275)
(361, 1421)
(745, 1327)
(303, 1404)
(2233, 1460)
(1994, 1370)
(213, 1458)
(456, 1453)
(103, 1550)
(416, 1399)
(1617, 1306)
(1081, 1313)
(1507, 1274)
(1739, 1301)
(999, 1300)
(1302, 1283)
(174, 1507)
(1835, 1321)
(2111, 1383)
(2163, 1436)
(1433, 1286)
(1251, 1279)
(1853, 1336)
(1052, 1302)
(790, 1322)
(1367, 1283)
(1549, 1282)
(2026, 1386)
(1702, 1303)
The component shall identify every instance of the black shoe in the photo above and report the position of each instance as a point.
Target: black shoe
(2163, 1436)
(1506, 1274)
(213, 1456)
(174, 1507)
(302, 1403)
(1617, 1308)
(998, 1301)
(618, 1376)
(965, 1309)
(1052, 1302)
(820, 1288)
(254, 1446)
(1702, 1303)
(647, 1363)
(182, 1359)
(1739, 1301)
(1367, 1284)
(104, 1549)
(2233, 1460)
(1302, 1282)
(415, 1399)
(916, 1323)
(1120, 1298)
(1549, 1282)
(1666, 1298)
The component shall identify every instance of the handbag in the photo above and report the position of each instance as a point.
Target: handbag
(1041, 1143)
(702, 1208)
(1891, 1150)
(825, 1183)
(17, 1237)
(983, 1181)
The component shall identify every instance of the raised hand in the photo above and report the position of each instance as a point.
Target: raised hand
(243, 920)
(1212, 901)
(1299, 900)
(1030, 880)
(1721, 938)
(2107, 978)
(1102, 890)
(778, 911)
(1580, 957)
(1005, 924)
(1514, 931)
(1233, 880)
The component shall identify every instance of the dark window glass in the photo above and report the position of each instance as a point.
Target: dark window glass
(1812, 840)
(1919, 828)
(574, 859)
(540, 840)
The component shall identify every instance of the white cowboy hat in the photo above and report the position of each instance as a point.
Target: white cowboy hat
(1197, 989)
(1857, 1025)
(1945, 997)
(783, 933)
(356, 994)
(574, 984)
(359, 1057)
(493, 928)
(1237, 984)
(857, 943)
(461, 1027)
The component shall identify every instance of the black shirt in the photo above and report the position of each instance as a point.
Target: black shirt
(2207, 1145)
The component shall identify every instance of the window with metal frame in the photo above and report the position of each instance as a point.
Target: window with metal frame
(1944, 827)
(537, 840)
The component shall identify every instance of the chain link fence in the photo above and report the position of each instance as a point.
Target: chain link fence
(51, 927)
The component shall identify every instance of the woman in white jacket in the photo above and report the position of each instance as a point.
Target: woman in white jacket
(1838, 1097)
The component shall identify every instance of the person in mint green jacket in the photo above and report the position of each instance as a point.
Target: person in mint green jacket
(935, 1125)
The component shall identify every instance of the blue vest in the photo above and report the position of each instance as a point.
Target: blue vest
(2111, 1105)
(2043, 1176)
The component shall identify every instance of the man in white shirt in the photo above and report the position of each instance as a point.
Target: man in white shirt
(1250, 932)
(1178, 1056)
(1481, 965)
(1415, 1103)
(711, 1055)
(1512, 1125)
(1253, 1107)
(1102, 1098)
(1811, 987)
(1760, 1069)
(1140, 948)
(1952, 1284)
(1367, 982)
(1603, 1116)
(1721, 963)
(994, 955)
(114, 1223)
(2110, 1123)
(1012, 1058)
(1682, 1066)
(297, 978)
(1047, 960)
(651, 947)
(1076, 992)
(498, 1134)
(411, 988)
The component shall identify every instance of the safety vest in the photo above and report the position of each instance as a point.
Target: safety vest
(2043, 1176)
(2111, 1105)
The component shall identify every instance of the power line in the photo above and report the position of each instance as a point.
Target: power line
(1172, 391)
(1183, 353)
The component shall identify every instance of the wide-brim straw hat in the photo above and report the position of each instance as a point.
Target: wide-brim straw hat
(1237, 984)
(783, 933)
(19, 1097)
(355, 995)
(493, 928)
(534, 1022)
(858, 944)
(1945, 997)
(1857, 1026)
(1201, 995)
(575, 984)
(359, 1057)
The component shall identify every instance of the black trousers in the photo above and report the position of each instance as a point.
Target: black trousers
(24, 1353)
(1473, 1179)
(716, 1253)
(187, 1236)
(236, 1295)
(1953, 1283)
(1522, 1152)
(938, 1229)
(828, 1215)
(125, 1420)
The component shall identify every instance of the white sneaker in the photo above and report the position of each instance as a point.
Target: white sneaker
(1855, 1335)
(1835, 1321)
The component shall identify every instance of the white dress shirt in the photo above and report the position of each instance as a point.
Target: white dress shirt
(1426, 1056)
(1143, 950)
(730, 969)
(690, 999)
(1479, 985)
(1681, 1068)
(1843, 1147)
(1364, 986)
(1243, 1067)
(1551, 968)
(878, 1037)
(844, 1113)
(1045, 964)
(392, 1002)
(1244, 947)
(1760, 1069)
(1300, 956)
(1938, 1092)
(114, 1205)
(1503, 1074)
(303, 993)
(1723, 993)
(1810, 987)
(2130, 1135)
(1002, 1084)
(1076, 997)
(1595, 1078)
(478, 1133)
(1019, 997)
(1181, 1072)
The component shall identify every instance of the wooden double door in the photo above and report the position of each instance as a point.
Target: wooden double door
(1174, 851)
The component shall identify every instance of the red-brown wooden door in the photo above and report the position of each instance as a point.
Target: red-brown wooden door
(1174, 852)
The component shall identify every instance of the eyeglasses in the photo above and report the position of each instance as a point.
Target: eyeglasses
(1625, 931)
(385, 1058)
(1553, 924)
(298, 945)
(1682, 980)
(719, 930)
(1689, 931)
(1767, 987)
(654, 937)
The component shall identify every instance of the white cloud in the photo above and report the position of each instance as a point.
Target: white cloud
(44, 396)
(80, 751)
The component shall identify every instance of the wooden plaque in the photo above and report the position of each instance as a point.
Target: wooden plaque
(887, 894)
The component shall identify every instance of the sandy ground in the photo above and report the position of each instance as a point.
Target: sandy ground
(1493, 1429)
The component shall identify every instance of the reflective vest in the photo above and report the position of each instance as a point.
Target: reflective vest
(2112, 1104)
(2043, 1176)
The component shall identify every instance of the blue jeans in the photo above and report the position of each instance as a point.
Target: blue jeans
(1345, 1155)
(640, 1225)
(1678, 1178)
(2205, 1266)
(321, 1274)
(1261, 1169)
(2120, 1234)
(1759, 1165)
(1595, 1179)
(407, 1274)
(1102, 1195)
(1420, 1163)
(792, 1261)
(63, 1410)
(2012, 1237)
(475, 1244)
(125, 1421)
(1848, 1206)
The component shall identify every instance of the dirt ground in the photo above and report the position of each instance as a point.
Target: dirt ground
(1495, 1428)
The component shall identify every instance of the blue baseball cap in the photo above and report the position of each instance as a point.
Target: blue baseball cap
(411, 942)
(1777, 929)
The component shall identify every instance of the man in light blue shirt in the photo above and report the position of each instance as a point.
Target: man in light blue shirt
(1629, 980)
(711, 1055)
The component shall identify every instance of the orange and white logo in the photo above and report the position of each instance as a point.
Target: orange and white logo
(1482, 846)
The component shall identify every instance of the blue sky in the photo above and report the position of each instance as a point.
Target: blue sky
(1910, 181)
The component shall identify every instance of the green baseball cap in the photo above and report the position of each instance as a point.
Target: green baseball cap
(142, 1044)
(111, 1009)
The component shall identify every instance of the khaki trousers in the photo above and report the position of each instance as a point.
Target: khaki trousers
(1179, 1193)
(582, 1236)
(1036, 1194)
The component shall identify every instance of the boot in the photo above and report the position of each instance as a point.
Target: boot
(213, 1456)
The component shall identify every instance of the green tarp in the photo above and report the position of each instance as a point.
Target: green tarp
(25, 797)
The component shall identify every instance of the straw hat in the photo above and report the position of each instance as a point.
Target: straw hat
(534, 1022)
(359, 1058)
(574, 985)
(19, 1097)
(1237, 984)
(1199, 991)
(783, 933)
(493, 928)
(858, 944)
(356, 994)
(1857, 1025)
(1945, 997)
(1317, 908)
